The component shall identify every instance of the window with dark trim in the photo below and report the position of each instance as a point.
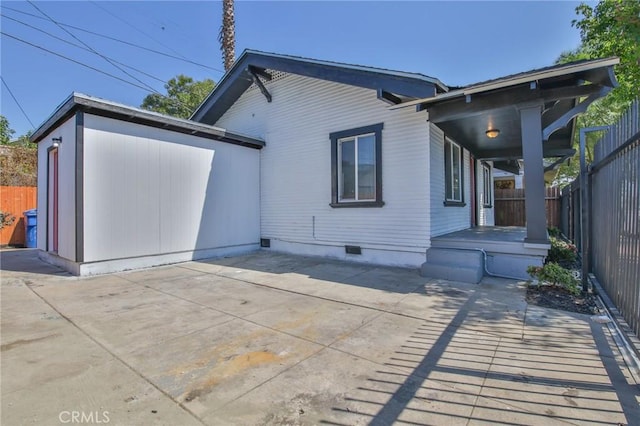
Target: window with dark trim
(453, 176)
(356, 167)
(487, 185)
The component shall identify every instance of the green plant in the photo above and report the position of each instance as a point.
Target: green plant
(554, 232)
(555, 275)
(561, 251)
(6, 219)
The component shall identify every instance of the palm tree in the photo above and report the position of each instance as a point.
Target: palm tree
(227, 36)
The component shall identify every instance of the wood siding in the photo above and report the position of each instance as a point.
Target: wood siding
(148, 191)
(509, 205)
(296, 165)
(446, 219)
(16, 200)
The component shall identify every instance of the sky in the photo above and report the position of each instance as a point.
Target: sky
(457, 42)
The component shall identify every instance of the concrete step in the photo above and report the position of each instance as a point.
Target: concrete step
(450, 256)
(454, 265)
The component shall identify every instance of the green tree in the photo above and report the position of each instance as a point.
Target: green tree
(183, 96)
(5, 131)
(611, 28)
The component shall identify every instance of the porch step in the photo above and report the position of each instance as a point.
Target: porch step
(454, 265)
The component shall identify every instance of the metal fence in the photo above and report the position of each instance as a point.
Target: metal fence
(614, 215)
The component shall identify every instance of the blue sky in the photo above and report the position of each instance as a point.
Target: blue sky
(457, 42)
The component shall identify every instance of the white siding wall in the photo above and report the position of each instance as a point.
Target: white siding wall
(453, 218)
(149, 191)
(485, 213)
(296, 169)
(66, 192)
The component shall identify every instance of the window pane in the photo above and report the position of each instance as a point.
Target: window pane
(366, 168)
(456, 184)
(348, 170)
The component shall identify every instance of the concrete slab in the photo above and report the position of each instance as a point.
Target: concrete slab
(268, 338)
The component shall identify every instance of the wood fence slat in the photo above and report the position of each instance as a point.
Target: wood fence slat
(15, 200)
(510, 211)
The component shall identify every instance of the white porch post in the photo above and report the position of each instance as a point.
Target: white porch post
(535, 211)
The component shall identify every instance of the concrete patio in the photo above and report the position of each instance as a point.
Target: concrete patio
(278, 339)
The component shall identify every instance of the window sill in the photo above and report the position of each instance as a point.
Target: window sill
(448, 203)
(358, 204)
(487, 206)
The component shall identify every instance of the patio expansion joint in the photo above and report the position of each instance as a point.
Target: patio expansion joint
(238, 317)
(328, 299)
(116, 357)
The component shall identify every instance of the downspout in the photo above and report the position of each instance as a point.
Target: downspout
(484, 264)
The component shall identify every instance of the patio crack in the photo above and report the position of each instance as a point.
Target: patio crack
(121, 360)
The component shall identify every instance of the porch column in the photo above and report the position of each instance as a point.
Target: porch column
(534, 202)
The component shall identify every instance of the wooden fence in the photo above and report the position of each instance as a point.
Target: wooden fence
(509, 207)
(15, 200)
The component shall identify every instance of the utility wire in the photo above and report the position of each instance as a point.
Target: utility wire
(157, 52)
(17, 103)
(135, 28)
(146, 89)
(79, 46)
(92, 49)
(78, 62)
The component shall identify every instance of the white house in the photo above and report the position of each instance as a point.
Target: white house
(358, 163)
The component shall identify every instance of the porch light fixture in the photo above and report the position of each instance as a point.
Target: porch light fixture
(492, 133)
(56, 141)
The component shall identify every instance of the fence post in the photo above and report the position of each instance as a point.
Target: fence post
(585, 205)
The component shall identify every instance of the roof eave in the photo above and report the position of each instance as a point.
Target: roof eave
(80, 102)
(225, 93)
(520, 79)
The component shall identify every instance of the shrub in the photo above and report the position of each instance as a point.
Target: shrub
(6, 219)
(561, 251)
(556, 275)
(554, 232)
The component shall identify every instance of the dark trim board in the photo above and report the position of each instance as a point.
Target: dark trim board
(46, 222)
(78, 102)
(335, 136)
(79, 186)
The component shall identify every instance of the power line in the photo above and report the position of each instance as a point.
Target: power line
(177, 101)
(78, 62)
(157, 52)
(79, 47)
(92, 49)
(135, 28)
(17, 103)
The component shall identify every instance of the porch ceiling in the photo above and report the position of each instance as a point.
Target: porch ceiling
(564, 91)
(471, 132)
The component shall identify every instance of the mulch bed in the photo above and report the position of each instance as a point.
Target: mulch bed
(554, 297)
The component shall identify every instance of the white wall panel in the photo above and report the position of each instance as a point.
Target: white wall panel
(149, 191)
(66, 191)
(296, 165)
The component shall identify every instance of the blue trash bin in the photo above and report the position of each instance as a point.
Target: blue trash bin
(30, 228)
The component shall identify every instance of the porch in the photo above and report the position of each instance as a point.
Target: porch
(493, 250)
